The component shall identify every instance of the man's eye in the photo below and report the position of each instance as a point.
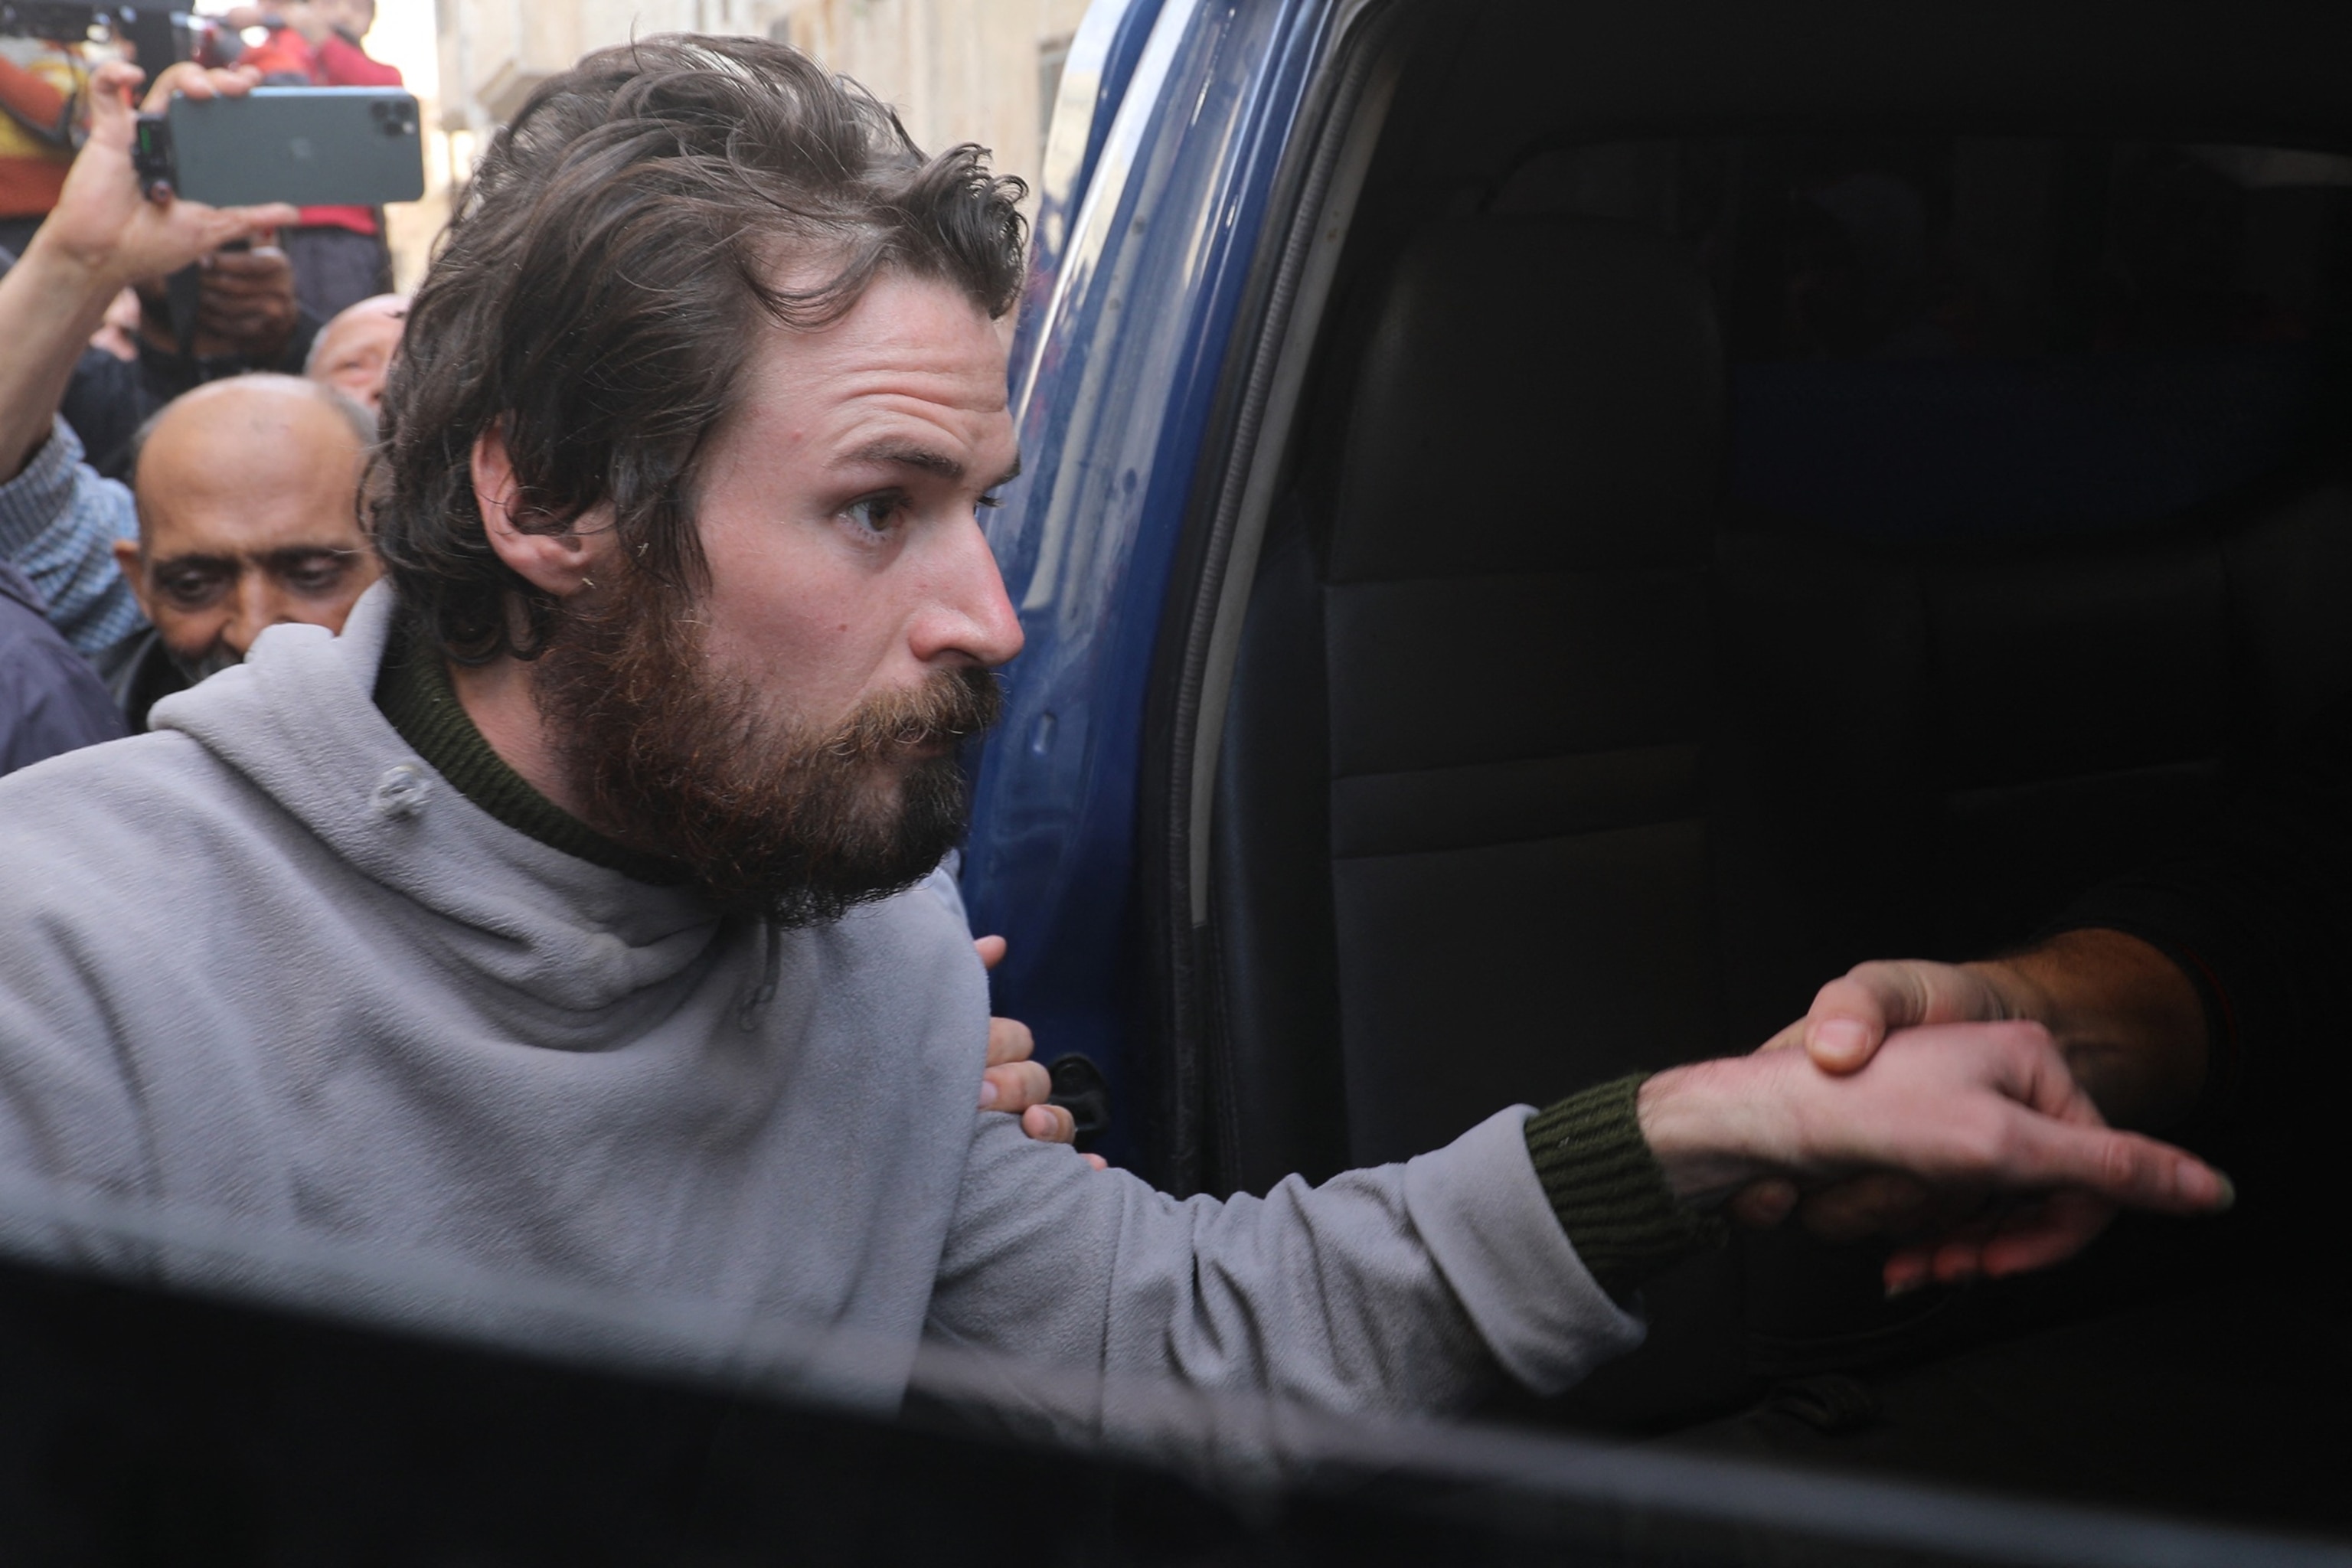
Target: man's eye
(190, 590)
(991, 502)
(320, 574)
(876, 514)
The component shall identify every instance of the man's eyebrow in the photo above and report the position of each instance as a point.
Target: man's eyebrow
(295, 554)
(907, 454)
(194, 561)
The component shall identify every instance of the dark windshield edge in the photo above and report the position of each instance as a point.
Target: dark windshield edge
(1245, 1448)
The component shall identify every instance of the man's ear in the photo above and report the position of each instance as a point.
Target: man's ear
(558, 564)
(134, 572)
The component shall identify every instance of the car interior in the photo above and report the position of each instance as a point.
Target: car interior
(1769, 496)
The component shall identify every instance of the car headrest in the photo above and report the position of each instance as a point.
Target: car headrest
(1540, 393)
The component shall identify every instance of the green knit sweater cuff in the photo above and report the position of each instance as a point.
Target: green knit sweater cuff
(1607, 1189)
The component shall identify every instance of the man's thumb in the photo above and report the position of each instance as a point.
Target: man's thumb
(1839, 1044)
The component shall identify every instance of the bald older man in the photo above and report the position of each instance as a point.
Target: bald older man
(352, 353)
(248, 493)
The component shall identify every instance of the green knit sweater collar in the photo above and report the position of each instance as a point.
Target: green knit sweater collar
(414, 692)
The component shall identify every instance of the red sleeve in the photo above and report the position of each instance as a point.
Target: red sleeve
(31, 97)
(282, 58)
(347, 65)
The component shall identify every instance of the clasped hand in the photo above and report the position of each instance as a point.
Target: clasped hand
(1970, 1142)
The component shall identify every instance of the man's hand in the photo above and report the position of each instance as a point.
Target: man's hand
(1850, 1017)
(1854, 1013)
(2126, 1019)
(1959, 1115)
(247, 298)
(1013, 1082)
(103, 232)
(2128, 1023)
(105, 226)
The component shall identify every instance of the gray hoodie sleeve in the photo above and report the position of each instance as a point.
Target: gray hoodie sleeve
(1401, 1288)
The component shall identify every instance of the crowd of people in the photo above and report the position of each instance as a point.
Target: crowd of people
(226, 507)
(187, 473)
(575, 908)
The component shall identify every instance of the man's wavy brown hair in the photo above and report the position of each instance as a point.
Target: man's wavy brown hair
(608, 274)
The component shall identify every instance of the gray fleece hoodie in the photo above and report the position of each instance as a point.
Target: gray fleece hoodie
(264, 963)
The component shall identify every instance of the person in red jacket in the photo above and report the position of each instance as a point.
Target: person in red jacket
(40, 100)
(339, 253)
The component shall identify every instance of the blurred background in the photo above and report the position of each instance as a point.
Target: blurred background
(957, 70)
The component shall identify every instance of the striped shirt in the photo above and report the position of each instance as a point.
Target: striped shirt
(59, 522)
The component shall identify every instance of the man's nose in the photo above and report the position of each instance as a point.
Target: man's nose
(259, 604)
(972, 615)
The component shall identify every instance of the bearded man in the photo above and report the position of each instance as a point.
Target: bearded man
(566, 914)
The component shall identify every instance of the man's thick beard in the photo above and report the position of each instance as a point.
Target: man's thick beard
(675, 760)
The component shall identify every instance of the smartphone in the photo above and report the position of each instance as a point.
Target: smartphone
(312, 147)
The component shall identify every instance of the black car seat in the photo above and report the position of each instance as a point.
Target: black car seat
(1545, 762)
(1461, 856)
(1513, 679)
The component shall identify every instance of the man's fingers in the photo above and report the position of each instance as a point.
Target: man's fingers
(1016, 1086)
(262, 267)
(182, 77)
(1009, 1040)
(1852, 1017)
(1842, 1043)
(222, 225)
(1050, 1124)
(110, 90)
(1877, 1203)
(2045, 1233)
(1958, 1254)
(2136, 1172)
(112, 85)
(1907, 1268)
(1763, 1204)
(191, 80)
(992, 950)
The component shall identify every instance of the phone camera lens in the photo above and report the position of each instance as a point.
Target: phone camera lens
(393, 119)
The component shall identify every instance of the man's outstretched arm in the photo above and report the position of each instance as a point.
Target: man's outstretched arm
(1411, 1284)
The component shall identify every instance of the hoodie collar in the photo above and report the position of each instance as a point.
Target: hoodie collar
(415, 694)
(298, 719)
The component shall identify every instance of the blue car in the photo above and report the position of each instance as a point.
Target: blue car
(1549, 531)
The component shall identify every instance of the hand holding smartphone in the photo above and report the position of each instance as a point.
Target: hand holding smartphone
(313, 146)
